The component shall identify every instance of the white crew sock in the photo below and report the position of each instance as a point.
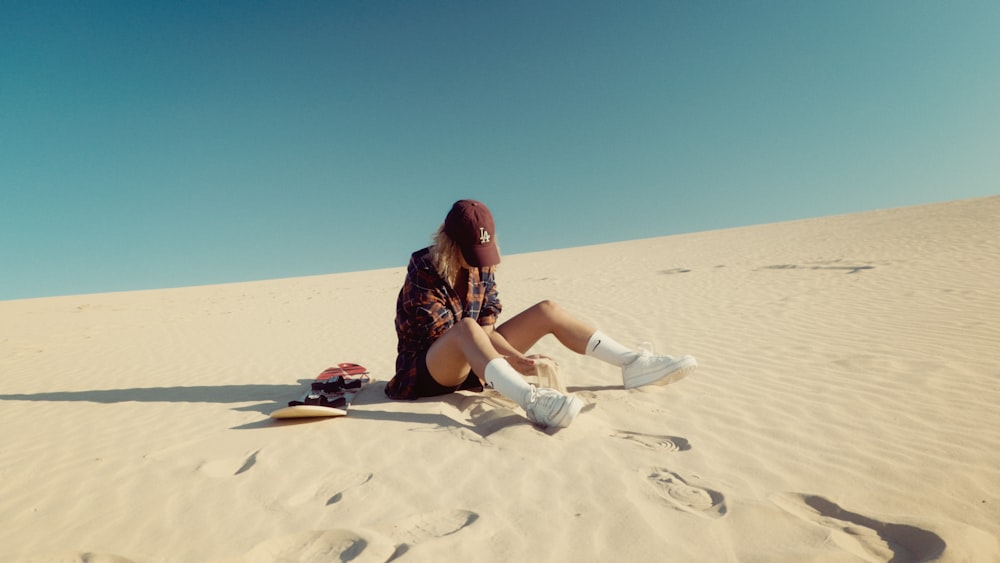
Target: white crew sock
(501, 376)
(607, 349)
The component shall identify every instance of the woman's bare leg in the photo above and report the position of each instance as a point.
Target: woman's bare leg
(528, 327)
(467, 346)
(464, 347)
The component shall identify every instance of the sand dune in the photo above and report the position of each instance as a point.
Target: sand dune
(845, 410)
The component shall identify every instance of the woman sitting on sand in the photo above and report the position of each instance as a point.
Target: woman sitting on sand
(445, 318)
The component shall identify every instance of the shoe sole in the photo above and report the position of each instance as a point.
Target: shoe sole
(568, 413)
(684, 366)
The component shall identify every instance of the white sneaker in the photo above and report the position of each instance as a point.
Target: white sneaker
(552, 409)
(649, 368)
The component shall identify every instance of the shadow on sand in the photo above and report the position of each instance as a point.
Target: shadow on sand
(269, 397)
(194, 394)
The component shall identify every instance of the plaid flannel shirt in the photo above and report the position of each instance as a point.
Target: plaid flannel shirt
(427, 307)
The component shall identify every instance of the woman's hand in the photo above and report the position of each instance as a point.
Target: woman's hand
(541, 357)
(525, 365)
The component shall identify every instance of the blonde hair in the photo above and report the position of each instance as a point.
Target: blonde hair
(446, 256)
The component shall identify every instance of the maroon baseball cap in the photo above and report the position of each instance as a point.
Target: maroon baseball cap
(470, 225)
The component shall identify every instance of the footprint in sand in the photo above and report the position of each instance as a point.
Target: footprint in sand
(322, 546)
(80, 556)
(686, 497)
(864, 537)
(347, 482)
(332, 490)
(654, 441)
(229, 467)
(422, 527)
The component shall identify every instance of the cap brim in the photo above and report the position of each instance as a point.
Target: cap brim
(482, 255)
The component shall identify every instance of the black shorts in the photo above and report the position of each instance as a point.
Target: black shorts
(428, 387)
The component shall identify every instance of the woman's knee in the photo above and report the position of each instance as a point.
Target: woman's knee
(466, 325)
(456, 340)
(548, 308)
(466, 329)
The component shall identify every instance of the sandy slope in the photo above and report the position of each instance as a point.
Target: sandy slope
(845, 410)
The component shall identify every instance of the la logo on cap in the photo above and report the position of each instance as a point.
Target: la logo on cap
(484, 235)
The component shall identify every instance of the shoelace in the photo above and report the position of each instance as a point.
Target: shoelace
(543, 399)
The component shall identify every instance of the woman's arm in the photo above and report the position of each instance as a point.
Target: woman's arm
(523, 364)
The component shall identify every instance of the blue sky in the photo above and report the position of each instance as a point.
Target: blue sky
(164, 144)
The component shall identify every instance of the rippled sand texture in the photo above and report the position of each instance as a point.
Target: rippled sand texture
(845, 409)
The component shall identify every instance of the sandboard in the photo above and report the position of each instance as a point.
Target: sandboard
(330, 394)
